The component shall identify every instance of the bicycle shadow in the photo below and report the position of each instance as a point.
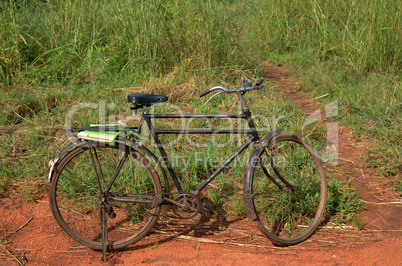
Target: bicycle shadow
(167, 230)
(209, 222)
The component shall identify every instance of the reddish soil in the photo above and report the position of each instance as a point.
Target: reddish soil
(34, 238)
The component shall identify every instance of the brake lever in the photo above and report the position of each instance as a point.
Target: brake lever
(212, 97)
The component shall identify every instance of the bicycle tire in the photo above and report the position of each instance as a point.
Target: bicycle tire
(289, 214)
(75, 194)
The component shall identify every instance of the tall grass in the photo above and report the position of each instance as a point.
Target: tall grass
(363, 35)
(77, 41)
(350, 51)
(124, 41)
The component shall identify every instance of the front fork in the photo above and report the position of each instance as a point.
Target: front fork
(288, 187)
(261, 147)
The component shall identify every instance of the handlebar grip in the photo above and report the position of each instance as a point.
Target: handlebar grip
(205, 92)
(259, 82)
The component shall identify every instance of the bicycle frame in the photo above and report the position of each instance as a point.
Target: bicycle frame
(155, 133)
(283, 228)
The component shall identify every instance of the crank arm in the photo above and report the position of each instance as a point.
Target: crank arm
(175, 203)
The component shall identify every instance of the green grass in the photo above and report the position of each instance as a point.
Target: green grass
(350, 50)
(343, 202)
(120, 42)
(362, 35)
(57, 54)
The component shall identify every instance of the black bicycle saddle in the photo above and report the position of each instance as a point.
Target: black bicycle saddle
(146, 99)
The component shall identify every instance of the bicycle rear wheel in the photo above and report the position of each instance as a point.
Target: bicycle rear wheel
(78, 189)
(288, 189)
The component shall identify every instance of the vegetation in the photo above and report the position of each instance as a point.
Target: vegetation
(56, 54)
(351, 52)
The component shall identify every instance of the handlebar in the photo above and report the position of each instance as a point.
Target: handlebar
(242, 89)
(205, 92)
(216, 88)
(247, 87)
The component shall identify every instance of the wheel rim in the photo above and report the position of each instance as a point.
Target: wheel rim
(291, 214)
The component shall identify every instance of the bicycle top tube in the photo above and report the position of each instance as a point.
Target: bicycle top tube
(246, 115)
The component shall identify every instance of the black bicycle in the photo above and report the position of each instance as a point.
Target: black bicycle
(106, 192)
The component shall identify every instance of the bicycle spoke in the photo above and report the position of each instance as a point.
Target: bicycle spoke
(75, 183)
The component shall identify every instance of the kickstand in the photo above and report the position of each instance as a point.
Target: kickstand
(102, 214)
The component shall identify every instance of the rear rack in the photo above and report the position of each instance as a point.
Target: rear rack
(103, 128)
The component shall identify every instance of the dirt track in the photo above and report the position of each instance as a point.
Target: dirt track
(33, 236)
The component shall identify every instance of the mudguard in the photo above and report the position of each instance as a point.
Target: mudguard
(53, 163)
(249, 173)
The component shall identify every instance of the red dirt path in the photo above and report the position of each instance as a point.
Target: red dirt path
(236, 241)
(34, 238)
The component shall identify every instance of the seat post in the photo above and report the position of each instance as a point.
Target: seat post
(134, 108)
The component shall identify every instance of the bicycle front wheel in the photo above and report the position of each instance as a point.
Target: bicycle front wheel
(288, 190)
(83, 180)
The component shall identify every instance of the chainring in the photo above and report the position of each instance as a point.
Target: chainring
(192, 206)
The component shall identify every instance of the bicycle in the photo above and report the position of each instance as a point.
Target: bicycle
(106, 194)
